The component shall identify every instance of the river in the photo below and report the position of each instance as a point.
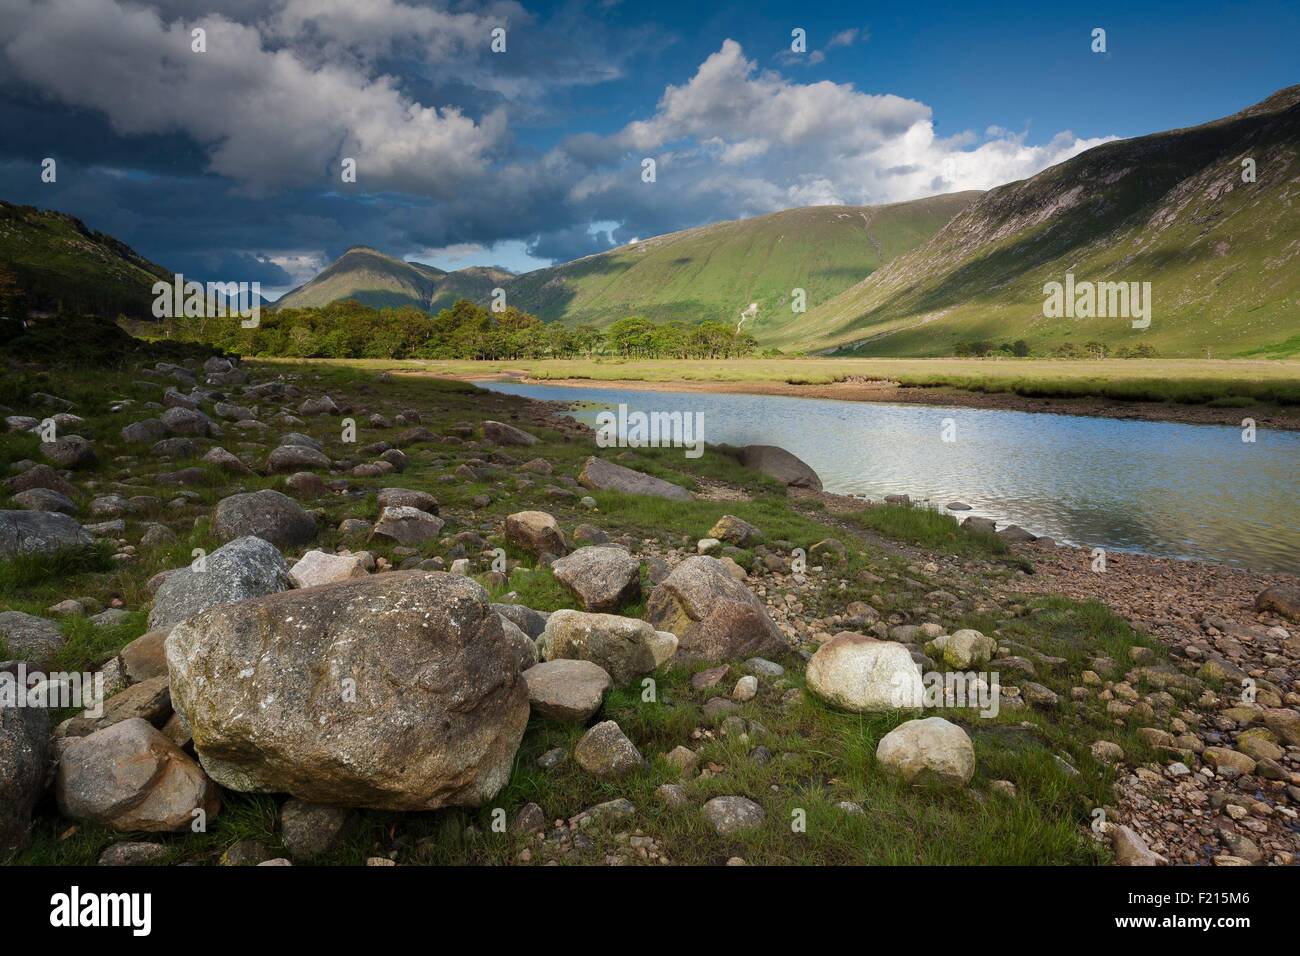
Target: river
(1184, 491)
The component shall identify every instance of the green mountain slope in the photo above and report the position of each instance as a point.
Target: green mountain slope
(1222, 255)
(715, 272)
(57, 264)
(378, 280)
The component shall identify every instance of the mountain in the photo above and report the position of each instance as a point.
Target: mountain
(715, 272)
(1222, 255)
(379, 280)
(57, 264)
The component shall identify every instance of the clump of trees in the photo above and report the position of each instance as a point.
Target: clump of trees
(1100, 350)
(349, 329)
(983, 347)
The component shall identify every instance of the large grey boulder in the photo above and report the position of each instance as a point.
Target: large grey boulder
(859, 673)
(395, 692)
(731, 814)
(72, 451)
(929, 750)
(129, 776)
(406, 498)
(39, 532)
(186, 421)
(780, 464)
(715, 617)
(24, 761)
(408, 526)
(247, 567)
(291, 458)
(606, 752)
(567, 690)
(601, 475)
(30, 638)
(146, 430)
(526, 619)
(504, 434)
(624, 646)
(267, 514)
(40, 476)
(603, 577)
(44, 499)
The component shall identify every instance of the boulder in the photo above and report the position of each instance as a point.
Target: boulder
(504, 434)
(1283, 599)
(290, 458)
(145, 657)
(319, 406)
(130, 777)
(728, 815)
(929, 750)
(320, 567)
(39, 532)
(735, 531)
(536, 532)
(187, 421)
(24, 762)
(247, 567)
(406, 498)
(715, 617)
(567, 690)
(393, 692)
(522, 647)
(146, 430)
(304, 441)
(30, 638)
(44, 499)
(72, 451)
(40, 476)
(601, 475)
(526, 619)
(270, 515)
(605, 751)
(864, 675)
(408, 526)
(780, 464)
(227, 462)
(623, 646)
(602, 578)
(1131, 850)
(968, 648)
(310, 830)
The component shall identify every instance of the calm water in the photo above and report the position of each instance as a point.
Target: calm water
(1185, 491)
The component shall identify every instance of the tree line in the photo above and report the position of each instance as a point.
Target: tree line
(350, 329)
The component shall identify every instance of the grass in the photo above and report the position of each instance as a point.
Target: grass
(930, 529)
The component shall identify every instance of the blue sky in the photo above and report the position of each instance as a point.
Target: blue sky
(224, 165)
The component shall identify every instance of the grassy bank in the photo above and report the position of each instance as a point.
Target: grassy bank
(1229, 383)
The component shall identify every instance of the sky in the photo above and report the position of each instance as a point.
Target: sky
(226, 163)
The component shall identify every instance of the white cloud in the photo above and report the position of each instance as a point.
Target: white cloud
(785, 143)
